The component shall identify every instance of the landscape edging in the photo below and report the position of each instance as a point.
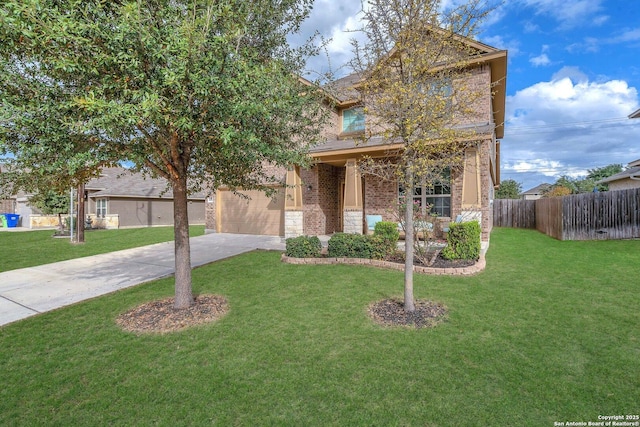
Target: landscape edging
(455, 271)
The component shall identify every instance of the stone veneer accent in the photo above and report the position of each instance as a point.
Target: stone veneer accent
(293, 224)
(485, 210)
(471, 216)
(461, 271)
(353, 222)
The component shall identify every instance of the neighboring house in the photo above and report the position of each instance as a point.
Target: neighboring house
(15, 203)
(136, 201)
(628, 178)
(333, 196)
(536, 192)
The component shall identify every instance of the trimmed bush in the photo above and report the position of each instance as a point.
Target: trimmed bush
(385, 239)
(343, 245)
(463, 241)
(380, 246)
(303, 247)
(387, 230)
(349, 246)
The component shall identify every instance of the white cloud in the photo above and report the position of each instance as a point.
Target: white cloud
(631, 35)
(592, 44)
(540, 60)
(569, 13)
(568, 125)
(573, 73)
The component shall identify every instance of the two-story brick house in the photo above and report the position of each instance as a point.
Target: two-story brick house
(334, 195)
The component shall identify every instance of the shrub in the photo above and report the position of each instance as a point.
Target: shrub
(380, 246)
(358, 246)
(303, 247)
(463, 241)
(387, 230)
(349, 245)
(385, 238)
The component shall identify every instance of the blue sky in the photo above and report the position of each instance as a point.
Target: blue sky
(573, 78)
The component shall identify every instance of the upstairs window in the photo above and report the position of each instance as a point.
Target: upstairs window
(353, 119)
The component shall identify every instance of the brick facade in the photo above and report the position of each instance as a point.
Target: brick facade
(323, 183)
(380, 197)
(210, 214)
(321, 203)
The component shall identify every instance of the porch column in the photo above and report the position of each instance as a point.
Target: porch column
(293, 213)
(472, 188)
(353, 207)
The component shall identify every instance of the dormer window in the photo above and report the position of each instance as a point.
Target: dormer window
(353, 120)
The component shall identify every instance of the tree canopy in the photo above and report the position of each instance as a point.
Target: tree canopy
(566, 185)
(509, 189)
(202, 93)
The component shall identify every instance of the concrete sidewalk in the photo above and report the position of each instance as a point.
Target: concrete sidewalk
(29, 291)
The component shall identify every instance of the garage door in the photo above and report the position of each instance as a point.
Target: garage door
(258, 215)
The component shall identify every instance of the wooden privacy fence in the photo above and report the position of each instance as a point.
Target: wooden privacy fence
(589, 216)
(514, 213)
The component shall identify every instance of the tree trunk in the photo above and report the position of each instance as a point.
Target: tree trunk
(409, 305)
(60, 224)
(184, 293)
(80, 217)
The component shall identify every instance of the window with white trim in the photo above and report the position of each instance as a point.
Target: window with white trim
(101, 207)
(437, 196)
(353, 119)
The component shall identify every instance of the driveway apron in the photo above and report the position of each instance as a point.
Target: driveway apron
(29, 291)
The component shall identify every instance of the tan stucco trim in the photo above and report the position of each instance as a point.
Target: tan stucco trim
(218, 211)
(352, 187)
(293, 190)
(471, 188)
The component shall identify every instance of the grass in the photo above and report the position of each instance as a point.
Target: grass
(30, 248)
(547, 333)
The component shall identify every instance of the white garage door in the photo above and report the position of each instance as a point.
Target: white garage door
(258, 215)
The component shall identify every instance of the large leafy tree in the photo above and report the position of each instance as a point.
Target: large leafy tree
(51, 203)
(509, 189)
(597, 174)
(566, 185)
(203, 93)
(413, 63)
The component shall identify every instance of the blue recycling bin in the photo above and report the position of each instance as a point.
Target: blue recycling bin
(12, 220)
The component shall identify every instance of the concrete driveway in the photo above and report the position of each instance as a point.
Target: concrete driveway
(30, 291)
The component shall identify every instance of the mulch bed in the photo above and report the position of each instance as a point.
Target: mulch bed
(161, 317)
(438, 262)
(390, 312)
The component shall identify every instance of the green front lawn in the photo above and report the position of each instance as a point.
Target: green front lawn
(549, 332)
(29, 248)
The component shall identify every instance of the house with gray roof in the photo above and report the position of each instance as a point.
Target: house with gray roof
(536, 192)
(628, 178)
(128, 199)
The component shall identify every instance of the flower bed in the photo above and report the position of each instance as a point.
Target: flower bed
(454, 271)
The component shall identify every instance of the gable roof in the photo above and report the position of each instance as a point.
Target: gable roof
(635, 114)
(632, 172)
(538, 189)
(122, 182)
(344, 90)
